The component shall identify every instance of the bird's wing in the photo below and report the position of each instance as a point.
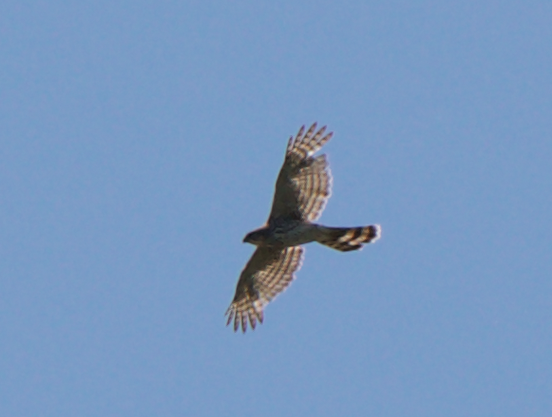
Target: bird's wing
(267, 274)
(304, 183)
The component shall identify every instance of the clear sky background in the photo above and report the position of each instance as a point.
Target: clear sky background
(140, 141)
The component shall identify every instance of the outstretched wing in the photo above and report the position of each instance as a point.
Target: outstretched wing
(267, 274)
(304, 183)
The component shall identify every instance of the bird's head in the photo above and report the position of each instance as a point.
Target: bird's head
(256, 237)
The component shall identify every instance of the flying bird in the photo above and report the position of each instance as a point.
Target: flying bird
(302, 190)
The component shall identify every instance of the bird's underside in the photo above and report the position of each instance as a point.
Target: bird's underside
(302, 190)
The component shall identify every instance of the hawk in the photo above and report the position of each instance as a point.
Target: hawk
(302, 190)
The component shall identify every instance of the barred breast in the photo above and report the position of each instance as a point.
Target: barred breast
(295, 233)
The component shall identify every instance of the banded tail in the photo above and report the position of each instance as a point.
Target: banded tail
(348, 238)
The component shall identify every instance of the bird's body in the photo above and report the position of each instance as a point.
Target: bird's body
(284, 234)
(302, 190)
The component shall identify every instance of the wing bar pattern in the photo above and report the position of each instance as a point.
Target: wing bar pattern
(267, 274)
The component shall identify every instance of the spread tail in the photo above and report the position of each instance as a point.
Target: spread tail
(348, 238)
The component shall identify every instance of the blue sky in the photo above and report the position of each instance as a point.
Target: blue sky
(140, 142)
